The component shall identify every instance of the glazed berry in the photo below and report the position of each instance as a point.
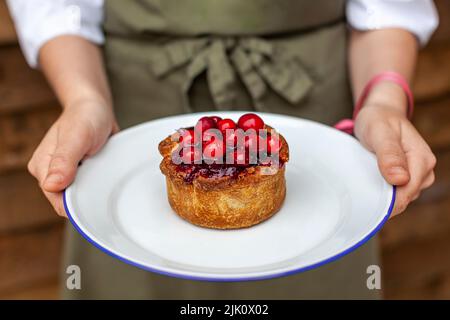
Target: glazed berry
(214, 150)
(216, 119)
(234, 137)
(204, 124)
(262, 143)
(211, 135)
(273, 144)
(190, 154)
(240, 158)
(251, 142)
(250, 121)
(224, 124)
(186, 136)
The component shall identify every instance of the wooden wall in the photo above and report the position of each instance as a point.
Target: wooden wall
(30, 234)
(415, 246)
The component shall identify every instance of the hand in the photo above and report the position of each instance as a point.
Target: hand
(404, 158)
(80, 131)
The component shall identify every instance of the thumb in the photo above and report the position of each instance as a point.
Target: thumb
(391, 157)
(71, 147)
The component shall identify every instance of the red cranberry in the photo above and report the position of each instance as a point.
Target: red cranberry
(250, 121)
(190, 154)
(262, 143)
(240, 158)
(186, 136)
(251, 142)
(224, 124)
(255, 142)
(204, 124)
(216, 119)
(273, 144)
(211, 135)
(234, 137)
(251, 147)
(214, 150)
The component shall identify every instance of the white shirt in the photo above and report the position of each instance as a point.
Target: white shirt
(38, 21)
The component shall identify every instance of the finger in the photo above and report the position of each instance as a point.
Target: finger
(56, 200)
(39, 162)
(421, 162)
(429, 180)
(391, 157)
(409, 192)
(115, 128)
(401, 202)
(72, 144)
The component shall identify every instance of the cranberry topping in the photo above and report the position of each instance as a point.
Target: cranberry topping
(204, 124)
(186, 136)
(221, 138)
(225, 124)
(216, 119)
(250, 121)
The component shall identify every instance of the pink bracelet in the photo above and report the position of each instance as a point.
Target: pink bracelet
(347, 125)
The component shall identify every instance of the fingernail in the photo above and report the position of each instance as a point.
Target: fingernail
(397, 170)
(54, 179)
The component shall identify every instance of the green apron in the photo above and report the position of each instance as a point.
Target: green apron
(166, 57)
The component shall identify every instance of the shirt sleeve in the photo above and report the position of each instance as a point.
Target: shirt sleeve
(38, 21)
(417, 16)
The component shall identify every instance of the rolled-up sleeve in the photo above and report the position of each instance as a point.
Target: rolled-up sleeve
(417, 16)
(38, 21)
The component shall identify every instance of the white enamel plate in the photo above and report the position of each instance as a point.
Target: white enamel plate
(336, 200)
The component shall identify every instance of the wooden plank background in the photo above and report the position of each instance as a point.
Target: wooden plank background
(415, 255)
(30, 233)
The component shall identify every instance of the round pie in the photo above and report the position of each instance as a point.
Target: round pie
(217, 183)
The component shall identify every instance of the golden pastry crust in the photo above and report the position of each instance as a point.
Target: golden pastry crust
(226, 202)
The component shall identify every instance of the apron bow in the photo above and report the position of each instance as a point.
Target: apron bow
(257, 62)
